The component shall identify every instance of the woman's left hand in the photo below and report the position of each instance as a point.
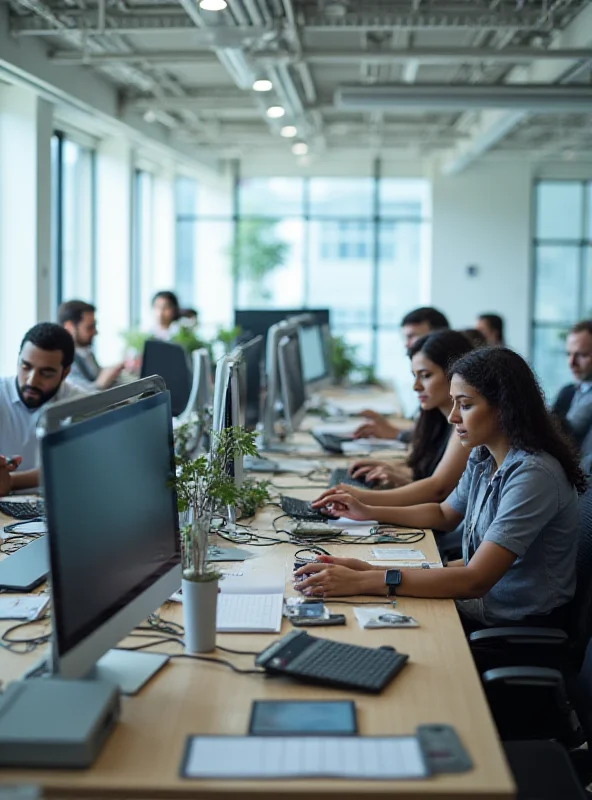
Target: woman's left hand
(329, 580)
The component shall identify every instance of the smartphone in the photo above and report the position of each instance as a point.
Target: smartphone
(303, 718)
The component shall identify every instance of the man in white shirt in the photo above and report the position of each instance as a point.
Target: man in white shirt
(79, 319)
(45, 359)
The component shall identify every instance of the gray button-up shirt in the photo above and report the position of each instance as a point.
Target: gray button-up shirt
(528, 507)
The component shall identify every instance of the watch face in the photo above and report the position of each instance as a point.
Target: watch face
(393, 577)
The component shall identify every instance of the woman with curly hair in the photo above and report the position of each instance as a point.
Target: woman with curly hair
(518, 497)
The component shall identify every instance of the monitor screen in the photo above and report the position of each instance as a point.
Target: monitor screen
(258, 321)
(292, 384)
(111, 513)
(312, 353)
(251, 354)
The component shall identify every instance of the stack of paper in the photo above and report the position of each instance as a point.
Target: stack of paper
(251, 602)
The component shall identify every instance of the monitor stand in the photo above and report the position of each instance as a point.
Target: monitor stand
(127, 669)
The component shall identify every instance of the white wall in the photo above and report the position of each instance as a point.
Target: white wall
(25, 223)
(482, 217)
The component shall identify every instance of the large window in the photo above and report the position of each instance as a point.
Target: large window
(562, 273)
(358, 246)
(142, 248)
(73, 218)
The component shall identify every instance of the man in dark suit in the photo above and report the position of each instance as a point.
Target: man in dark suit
(78, 318)
(573, 404)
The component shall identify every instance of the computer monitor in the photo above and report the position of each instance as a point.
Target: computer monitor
(251, 353)
(170, 361)
(227, 406)
(113, 535)
(291, 379)
(200, 397)
(273, 400)
(257, 322)
(313, 356)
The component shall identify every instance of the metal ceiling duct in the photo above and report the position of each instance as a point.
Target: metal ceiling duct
(529, 97)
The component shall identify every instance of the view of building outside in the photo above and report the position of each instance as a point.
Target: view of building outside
(358, 246)
(562, 274)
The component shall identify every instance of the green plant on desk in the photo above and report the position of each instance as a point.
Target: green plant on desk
(252, 496)
(343, 358)
(204, 484)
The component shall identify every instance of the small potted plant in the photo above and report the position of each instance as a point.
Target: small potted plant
(203, 485)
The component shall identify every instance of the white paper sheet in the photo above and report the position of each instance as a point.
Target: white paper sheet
(353, 757)
(249, 613)
(397, 554)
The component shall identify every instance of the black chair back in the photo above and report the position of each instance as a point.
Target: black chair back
(581, 629)
(171, 362)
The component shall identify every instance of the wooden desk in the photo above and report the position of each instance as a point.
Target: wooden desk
(439, 685)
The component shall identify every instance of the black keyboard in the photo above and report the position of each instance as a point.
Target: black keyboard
(341, 475)
(343, 666)
(331, 442)
(22, 510)
(301, 509)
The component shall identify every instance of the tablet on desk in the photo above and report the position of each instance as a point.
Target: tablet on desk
(303, 718)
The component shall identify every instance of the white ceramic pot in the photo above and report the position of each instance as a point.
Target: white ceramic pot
(199, 615)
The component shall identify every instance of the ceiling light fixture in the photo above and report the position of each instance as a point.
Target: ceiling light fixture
(300, 148)
(213, 5)
(275, 112)
(289, 131)
(262, 85)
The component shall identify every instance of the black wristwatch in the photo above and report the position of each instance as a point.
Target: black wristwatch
(392, 579)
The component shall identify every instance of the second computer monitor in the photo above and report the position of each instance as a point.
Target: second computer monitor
(291, 380)
(228, 412)
(113, 528)
(251, 380)
(313, 356)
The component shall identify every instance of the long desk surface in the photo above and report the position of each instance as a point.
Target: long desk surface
(439, 685)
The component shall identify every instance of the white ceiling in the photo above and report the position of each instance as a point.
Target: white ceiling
(192, 71)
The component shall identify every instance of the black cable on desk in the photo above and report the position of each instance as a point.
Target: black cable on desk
(208, 659)
(29, 644)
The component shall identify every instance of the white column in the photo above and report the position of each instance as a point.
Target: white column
(25, 218)
(114, 186)
(164, 229)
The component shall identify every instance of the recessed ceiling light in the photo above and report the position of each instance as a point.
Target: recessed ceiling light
(300, 148)
(275, 112)
(213, 5)
(289, 131)
(262, 85)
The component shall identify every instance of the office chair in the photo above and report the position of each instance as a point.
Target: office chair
(170, 362)
(539, 675)
(543, 771)
(540, 703)
(547, 647)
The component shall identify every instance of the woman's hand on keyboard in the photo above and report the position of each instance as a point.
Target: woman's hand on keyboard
(350, 563)
(330, 579)
(344, 504)
(377, 427)
(340, 488)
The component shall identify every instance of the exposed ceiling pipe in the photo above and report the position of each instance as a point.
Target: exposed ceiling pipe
(422, 55)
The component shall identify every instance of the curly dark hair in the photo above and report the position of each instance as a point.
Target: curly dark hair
(508, 384)
(432, 429)
(49, 336)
